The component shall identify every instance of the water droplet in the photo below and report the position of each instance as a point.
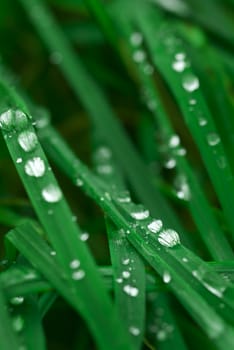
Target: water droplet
(123, 197)
(140, 215)
(78, 275)
(13, 120)
(51, 193)
(35, 167)
(27, 140)
(180, 56)
(170, 163)
(179, 66)
(190, 82)
(161, 335)
(174, 141)
(166, 277)
(53, 253)
(181, 152)
(126, 274)
(56, 57)
(169, 238)
(79, 182)
(155, 226)
(104, 169)
(192, 102)
(74, 264)
(134, 331)
(182, 188)
(185, 260)
(119, 280)
(202, 121)
(136, 39)
(18, 323)
(222, 162)
(84, 236)
(213, 139)
(126, 261)
(139, 56)
(17, 300)
(19, 160)
(103, 153)
(130, 290)
(148, 69)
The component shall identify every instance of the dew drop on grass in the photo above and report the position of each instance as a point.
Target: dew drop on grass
(126, 274)
(174, 141)
(104, 169)
(84, 236)
(13, 120)
(53, 253)
(74, 264)
(213, 139)
(51, 193)
(166, 277)
(179, 66)
(130, 290)
(136, 39)
(18, 323)
(148, 69)
(123, 197)
(170, 163)
(140, 215)
(119, 280)
(35, 167)
(79, 182)
(17, 300)
(126, 261)
(169, 238)
(134, 331)
(19, 160)
(190, 83)
(78, 275)
(155, 226)
(27, 140)
(139, 56)
(202, 121)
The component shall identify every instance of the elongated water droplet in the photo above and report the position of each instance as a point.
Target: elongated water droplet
(213, 139)
(17, 300)
(155, 226)
(51, 193)
(134, 331)
(126, 261)
(19, 160)
(140, 215)
(18, 323)
(84, 236)
(166, 277)
(130, 290)
(13, 120)
(190, 82)
(78, 275)
(179, 66)
(27, 140)
(169, 238)
(74, 264)
(170, 163)
(35, 167)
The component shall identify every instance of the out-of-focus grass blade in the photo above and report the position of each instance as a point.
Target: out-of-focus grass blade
(161, 325)
(8, 336)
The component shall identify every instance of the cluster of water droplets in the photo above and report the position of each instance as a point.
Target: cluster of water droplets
(158, 326)
(77, 272)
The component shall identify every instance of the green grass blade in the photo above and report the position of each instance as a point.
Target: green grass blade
(8, 337)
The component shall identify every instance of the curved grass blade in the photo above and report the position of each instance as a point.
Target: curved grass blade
(185, 87)
(47, 200)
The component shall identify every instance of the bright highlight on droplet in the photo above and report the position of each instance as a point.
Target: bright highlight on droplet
(51, 193)
(35, 167)
(169, 238)
(190, 83)
(27, 140)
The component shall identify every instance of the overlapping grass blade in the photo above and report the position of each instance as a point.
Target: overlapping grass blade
(47, 200)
